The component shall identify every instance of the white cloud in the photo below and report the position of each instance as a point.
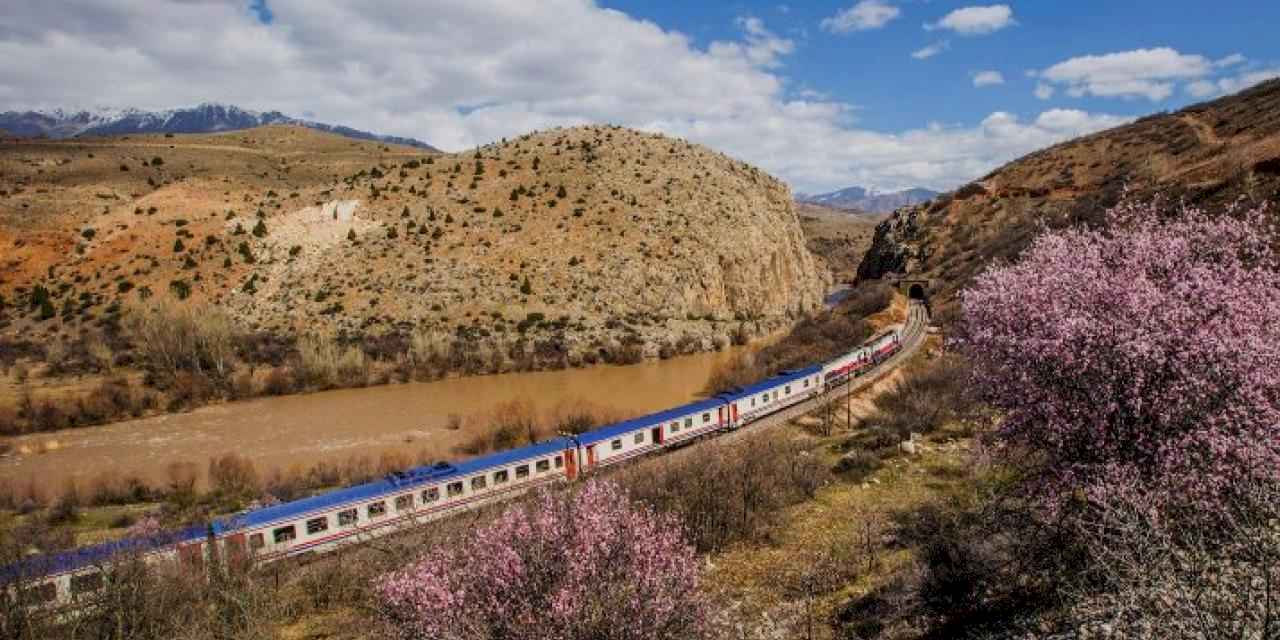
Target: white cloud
(1243, 81)
(976, 21)
(864, 16)
(1202, 88)
(987, 78)
(931, 50)
(1043, 91)
(1148, 73)
(762, 48)
(473, 71)
(1230, 61)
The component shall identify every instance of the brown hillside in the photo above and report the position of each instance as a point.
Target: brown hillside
(582, 236)
(839, 236)
(1209, 153)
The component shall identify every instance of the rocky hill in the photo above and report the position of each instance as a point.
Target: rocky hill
(1209, 153)
(578, 238)
(203, 118)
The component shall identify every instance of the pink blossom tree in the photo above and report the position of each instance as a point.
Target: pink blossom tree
(1148, 352)
(591, 565)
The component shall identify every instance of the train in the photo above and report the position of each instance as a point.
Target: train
(409, 498)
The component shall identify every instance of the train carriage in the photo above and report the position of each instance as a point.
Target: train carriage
(625, 440)
(749, 403)
(401, 499)
(851, 364)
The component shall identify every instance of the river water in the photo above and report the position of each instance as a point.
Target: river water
(281, 432)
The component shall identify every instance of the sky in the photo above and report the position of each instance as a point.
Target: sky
(884, 94)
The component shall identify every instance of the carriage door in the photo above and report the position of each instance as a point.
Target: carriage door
(591, 455)
(720, 416)
(734, 409)
(192, 554)
(655, 434)
(236, 551)
(571, 463)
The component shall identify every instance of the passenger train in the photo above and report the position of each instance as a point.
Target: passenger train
(408, 498)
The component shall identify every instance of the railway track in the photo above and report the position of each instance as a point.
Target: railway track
(913, 332)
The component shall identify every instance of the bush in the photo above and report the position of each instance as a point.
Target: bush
(929, 396)
(590, 565)
(1136, 353)
(232, 475)
(183, 339)
(729, 492)
(1162, 579)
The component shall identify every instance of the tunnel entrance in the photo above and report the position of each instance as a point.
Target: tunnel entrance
(916, 292)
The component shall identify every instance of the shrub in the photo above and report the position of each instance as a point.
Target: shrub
(1144, 352)
(183, 338)
(727, 492)
(1161, 579)
(233, 475)
(590, 565)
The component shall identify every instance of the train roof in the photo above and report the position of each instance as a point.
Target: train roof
(56, 563)
(392, 483)
(769, 383)
(619, 428)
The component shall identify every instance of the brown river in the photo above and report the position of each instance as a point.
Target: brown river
(288, 431)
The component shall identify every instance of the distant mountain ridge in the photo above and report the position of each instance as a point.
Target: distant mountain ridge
(869, 200)
(203, 118)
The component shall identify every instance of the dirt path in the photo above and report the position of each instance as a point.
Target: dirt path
(1204, 132)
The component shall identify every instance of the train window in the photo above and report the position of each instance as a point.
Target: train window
(347, 518)
(316, 525)
(284, 534)
(558, 461)
(431, 495)
(501, 477)
(806, 383)
(688, 422)
(86, 582)
(753, 402)
(455, 489)
(706, 417)
(616, 444)
(404, 502)
(543, 465)
(46, 592)
(377, 509)
(640, 438)
(675, 426)
(255, 541)
(786, 390)
(478, 483)
(522, 472)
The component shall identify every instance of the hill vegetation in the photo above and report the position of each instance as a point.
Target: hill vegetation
(1208, 154)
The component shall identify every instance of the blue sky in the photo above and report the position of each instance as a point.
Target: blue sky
(873, 69)
(879, 93)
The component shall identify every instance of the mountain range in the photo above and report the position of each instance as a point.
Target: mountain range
(867, 200)
(203, 118)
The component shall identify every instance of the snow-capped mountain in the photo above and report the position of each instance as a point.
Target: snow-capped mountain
(867, 200)
(203, 118)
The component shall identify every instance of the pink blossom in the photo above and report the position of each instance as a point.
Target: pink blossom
(591, 565)
(1149, 350)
